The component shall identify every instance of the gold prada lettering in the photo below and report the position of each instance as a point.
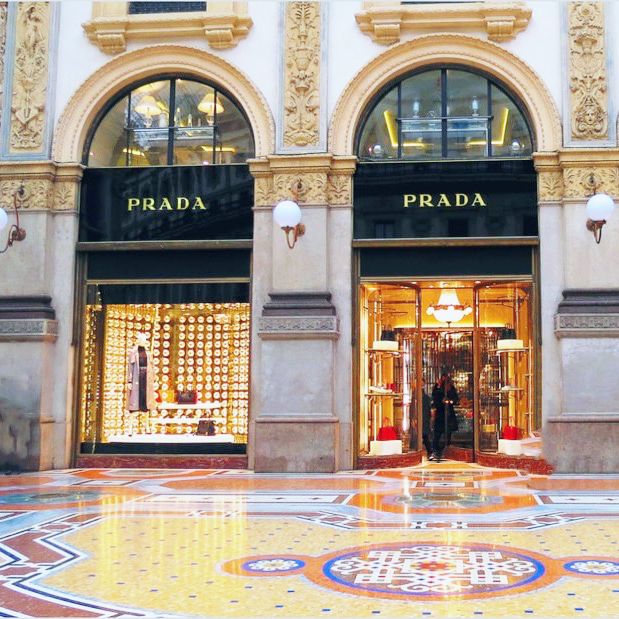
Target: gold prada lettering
(167, 204)
(478, 200)
(443, 201)
(424, 200)
(409, 198)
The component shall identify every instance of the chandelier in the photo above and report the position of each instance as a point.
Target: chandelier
(449, 309)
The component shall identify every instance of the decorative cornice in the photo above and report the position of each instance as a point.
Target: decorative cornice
(318, 179)
(587, 71)
(301, 97)
(386, 22)
(587, 325)
(434, 49)
(30, 69)
(83, 107)
(15, 330)
(223, 24)
(293, 327)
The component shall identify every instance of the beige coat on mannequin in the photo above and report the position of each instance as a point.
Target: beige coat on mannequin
(133, 380)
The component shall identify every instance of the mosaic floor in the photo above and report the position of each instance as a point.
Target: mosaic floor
(441, 540)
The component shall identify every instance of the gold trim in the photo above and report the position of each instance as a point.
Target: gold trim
(448, 242)
(386, 22)
(445, 49)
(91, 97)
(223, 24)
(163, 245)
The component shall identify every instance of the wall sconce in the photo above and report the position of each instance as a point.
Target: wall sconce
(287, 215)
(600, 207)
(16, 233)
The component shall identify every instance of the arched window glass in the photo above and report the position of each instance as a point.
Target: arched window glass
(171, 122)
(444, 114)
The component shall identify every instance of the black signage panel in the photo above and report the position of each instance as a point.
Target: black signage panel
(167, 203)
(445, 199)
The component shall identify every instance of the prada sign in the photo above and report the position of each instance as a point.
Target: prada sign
(167, 203)
(445, 199)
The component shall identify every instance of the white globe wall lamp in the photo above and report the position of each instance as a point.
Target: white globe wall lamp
(600, 207)
(16, 233)
(287, 215)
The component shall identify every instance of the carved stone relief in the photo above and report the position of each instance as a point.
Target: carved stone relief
(3, 15)
(550, 186)
(578, 183)
(587, 71)
(302, 74)
(340, 189)
(30, 76)
(37, 193)
(306, 188)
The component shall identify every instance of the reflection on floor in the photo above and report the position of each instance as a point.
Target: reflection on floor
(456, 540)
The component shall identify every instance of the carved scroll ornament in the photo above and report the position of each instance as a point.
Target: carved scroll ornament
(30, 76)
(302, 74)
(587, 70)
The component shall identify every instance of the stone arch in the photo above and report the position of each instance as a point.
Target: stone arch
(128, 68)
(444, 49)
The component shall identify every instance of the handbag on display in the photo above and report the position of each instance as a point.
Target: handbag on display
(206, 427)
(189, 396)
(511, 432)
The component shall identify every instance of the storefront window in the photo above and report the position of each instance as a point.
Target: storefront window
(171, 122)
(475, 335)
(169, 377)
(444, 114)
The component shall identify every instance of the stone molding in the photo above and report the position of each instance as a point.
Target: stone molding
(223, 24)
(302, 60)
(589, 301)
(3, 24)
(30, 69)
(317, 179)
(434, 49)
(47, 186)
(33, 306)
(26, 329)
(292, 327)
(588, 78)
(386, 22)
(130, 67)
(587, 325)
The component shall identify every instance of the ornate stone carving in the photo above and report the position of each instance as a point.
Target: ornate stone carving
(223, 24)
(30, 76)
(577, 181)
(587, 325)
(302, 74)
(36, 194)
(263, 190)
(339, 190)
(28, 329)
(587, 71)
(3, 15)
(306, 187)
(385, 22)
(273, 327)
(65, 197)
(550, 186)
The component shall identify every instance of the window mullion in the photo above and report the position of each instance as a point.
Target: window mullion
(171, 122)
(444, 112)
(489, 121)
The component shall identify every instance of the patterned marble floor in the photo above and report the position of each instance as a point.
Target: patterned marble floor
(440, 540)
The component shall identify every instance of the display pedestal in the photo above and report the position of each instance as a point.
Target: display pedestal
(385, 448)
(510, 447)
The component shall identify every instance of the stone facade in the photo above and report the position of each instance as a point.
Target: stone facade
(304, 73)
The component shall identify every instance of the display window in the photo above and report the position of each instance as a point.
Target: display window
(163, 377)
(446, 364)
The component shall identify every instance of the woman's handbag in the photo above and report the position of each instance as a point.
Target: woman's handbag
(452, 421)
(186, 397)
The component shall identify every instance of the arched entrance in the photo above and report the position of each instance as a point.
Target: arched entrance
(445, 206)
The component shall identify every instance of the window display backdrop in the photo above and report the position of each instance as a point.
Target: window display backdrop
(200, 350)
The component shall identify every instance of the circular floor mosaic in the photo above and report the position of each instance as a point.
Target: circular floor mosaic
(427, 570)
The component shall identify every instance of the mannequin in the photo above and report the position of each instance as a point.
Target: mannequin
(140, 383)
